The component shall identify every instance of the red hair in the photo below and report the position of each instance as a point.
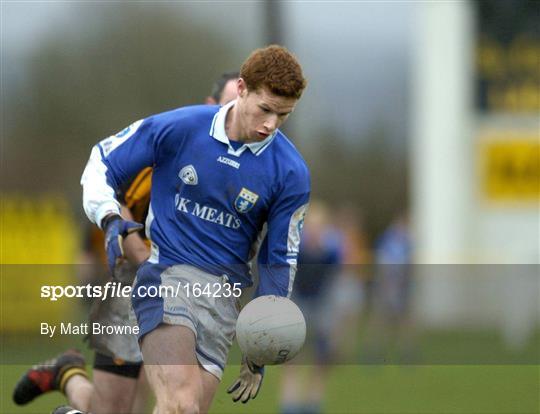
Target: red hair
(276, 69)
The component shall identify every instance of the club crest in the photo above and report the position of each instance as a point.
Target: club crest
(189, 175)
(245, 201)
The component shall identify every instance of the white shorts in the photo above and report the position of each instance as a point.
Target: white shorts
(116, 311)
(207, 312)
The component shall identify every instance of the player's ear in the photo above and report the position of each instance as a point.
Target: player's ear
(241, 87)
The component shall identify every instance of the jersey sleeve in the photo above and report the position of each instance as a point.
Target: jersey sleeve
(113, 162)
(278, 256)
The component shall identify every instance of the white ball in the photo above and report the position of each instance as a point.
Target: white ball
(270, 330)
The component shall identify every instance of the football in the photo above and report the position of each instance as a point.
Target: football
(270, 330)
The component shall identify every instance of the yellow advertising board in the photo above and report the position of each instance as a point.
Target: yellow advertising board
(510, 166)
(38, 245)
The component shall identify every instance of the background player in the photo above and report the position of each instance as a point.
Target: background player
(117, 364)
(391, 325)
(318, 265)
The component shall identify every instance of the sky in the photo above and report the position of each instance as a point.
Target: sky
(355, 54)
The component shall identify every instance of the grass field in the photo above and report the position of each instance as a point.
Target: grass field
(351, 389)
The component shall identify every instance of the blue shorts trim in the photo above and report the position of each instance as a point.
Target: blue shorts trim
(149, 310)
(209, 358)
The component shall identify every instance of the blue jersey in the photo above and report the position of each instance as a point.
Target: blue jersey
(210, 199)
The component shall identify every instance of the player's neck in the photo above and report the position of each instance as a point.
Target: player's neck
(232, 125)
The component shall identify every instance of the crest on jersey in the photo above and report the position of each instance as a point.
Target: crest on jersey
(245, 200)
(189, 175)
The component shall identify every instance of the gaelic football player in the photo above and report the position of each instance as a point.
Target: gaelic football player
(118, 361)
(219, 175)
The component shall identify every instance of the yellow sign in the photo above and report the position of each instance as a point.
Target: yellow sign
(510, 168)
(38, 246)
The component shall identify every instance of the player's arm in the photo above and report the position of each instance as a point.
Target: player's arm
(112, 163)
(135, 249)
(278, 255)
(277, 265)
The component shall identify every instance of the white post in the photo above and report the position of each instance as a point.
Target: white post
(442, 142)
(441, 153)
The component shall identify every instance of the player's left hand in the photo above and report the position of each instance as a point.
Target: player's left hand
(116, 228)
(248, 383)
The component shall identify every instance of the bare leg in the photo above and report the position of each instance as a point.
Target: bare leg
(210, 385)
(112, 393)
(172, 369)
(291, 389)
(109, 393)
(142, 395)
(78, 391)
(318, 385)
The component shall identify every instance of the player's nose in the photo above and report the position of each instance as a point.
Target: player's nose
(271, 123)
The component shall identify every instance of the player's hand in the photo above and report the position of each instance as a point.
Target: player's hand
(248, 383)
(116, 228)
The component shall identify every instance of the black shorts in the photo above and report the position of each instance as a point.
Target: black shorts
(116, 366)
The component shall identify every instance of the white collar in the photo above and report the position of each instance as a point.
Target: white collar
(217, 131)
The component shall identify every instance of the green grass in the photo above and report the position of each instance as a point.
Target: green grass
(373, 389)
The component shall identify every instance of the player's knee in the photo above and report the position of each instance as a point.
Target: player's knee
(188, 407)
(180, 403)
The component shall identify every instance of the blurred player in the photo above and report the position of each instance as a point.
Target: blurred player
(117, 364)
(318, 264)
(219, 175)
(348, 292)
(391, 323)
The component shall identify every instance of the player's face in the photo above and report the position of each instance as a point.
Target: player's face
(229, 93)
(261, 112)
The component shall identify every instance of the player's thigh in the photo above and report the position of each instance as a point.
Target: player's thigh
(171, 365)
(112, 393)
(210, 385)
(169, 345)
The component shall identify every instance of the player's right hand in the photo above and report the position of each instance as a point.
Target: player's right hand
(116, 228)
(248, 383)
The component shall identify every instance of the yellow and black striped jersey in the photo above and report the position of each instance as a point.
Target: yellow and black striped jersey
(137, 199)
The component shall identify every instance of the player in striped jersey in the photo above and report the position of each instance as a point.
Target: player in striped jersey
(118, 361)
